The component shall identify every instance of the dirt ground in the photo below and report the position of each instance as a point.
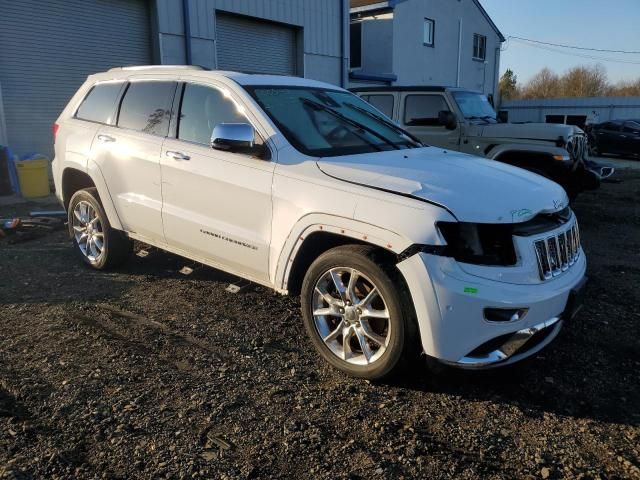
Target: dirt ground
(147, 373)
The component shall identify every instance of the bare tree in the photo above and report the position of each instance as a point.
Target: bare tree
(544, 84)
(625, 89)
(584, 82)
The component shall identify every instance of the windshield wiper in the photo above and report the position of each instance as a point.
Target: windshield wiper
(391, 125)
(353, 123)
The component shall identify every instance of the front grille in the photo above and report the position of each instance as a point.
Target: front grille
(557, 253)
(577, 147)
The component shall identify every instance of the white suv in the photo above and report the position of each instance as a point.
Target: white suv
(301, 186)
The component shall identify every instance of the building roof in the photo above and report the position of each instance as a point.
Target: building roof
(493, 25)
(362, 5)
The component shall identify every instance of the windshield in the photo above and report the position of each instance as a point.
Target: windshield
(326, 123)
(475, 106)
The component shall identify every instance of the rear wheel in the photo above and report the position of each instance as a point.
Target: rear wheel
(354, 315)
(99, 245)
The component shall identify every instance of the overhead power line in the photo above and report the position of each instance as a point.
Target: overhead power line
(575, 54)
(575, 47)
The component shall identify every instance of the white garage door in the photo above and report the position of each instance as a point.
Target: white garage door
(254, 46)
(47, 49)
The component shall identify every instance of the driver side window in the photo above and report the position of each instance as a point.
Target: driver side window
(423, 109)
(201, 109)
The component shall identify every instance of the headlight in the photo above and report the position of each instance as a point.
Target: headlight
(479, 243)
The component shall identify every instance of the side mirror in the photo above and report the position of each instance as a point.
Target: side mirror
(448, 119)
(233, 137)
(503, 116)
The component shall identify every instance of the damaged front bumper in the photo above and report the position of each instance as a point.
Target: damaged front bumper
(451, 303)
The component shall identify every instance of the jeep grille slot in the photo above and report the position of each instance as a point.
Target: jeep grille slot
(557, 253)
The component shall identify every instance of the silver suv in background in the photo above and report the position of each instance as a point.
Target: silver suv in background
(463, 120)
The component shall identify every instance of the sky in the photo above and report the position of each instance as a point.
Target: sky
(604, 24)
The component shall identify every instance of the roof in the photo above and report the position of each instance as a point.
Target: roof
(405, 88)
(197, 71)
(493, 25)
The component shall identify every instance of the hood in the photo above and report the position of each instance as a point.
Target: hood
(472, 188)
(529, 131)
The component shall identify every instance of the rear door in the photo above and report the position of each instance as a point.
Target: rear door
(419, 115)
(217, 204)
(128, 155)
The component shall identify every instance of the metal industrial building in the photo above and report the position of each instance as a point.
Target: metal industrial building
(424, 42)
(574, 110)
(47, 48)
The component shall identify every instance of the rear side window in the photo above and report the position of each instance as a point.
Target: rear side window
(202, 109)
(100, 104)
(423, 109)
(384, 103)
(146, 107)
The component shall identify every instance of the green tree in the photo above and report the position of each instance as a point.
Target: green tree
(508, 85)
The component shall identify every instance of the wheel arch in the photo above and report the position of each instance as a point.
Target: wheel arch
(317, 233)
(74, 179)
(314, 245)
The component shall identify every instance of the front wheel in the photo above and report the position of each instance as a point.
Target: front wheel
(354, 315)
(99, 245)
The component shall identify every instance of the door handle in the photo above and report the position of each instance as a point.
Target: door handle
(623, 136)
(106, 138)
(177, 155)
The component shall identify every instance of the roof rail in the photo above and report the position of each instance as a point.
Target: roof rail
(157, 67)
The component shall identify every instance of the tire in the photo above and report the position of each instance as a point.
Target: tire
(99, 245)
(388, 342)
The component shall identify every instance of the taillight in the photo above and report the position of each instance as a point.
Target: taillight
(55, 129)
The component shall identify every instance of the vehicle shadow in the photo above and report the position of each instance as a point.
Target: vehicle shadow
(549, 383)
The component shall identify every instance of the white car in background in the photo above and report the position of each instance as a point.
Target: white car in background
(301, 186)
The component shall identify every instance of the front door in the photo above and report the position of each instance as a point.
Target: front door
(216, 204)
(419, 115)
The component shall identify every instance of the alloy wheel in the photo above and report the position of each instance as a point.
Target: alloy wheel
(351, 316)
(87, 230)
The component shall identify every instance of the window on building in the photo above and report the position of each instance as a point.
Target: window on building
(429, 32)
(479, 46)
(554, 118)
(577, 120)
(356, 45)
(202, 109)
(146, 107)
(100, 104)
(423, 109)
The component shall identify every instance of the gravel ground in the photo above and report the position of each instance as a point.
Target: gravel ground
(147, 373)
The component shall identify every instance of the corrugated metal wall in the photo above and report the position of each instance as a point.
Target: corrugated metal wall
(608, 108)
(255, 46)
(319, 23)
(47, 49)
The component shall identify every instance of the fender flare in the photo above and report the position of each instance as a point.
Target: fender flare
(529, 148)
(341, 226)
(94, 172)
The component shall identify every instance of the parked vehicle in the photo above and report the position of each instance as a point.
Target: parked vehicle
(303, 187)
(620, 137)
(463, 120)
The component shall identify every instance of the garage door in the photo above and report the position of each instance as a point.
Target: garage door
(254, 46)
(48, 49)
